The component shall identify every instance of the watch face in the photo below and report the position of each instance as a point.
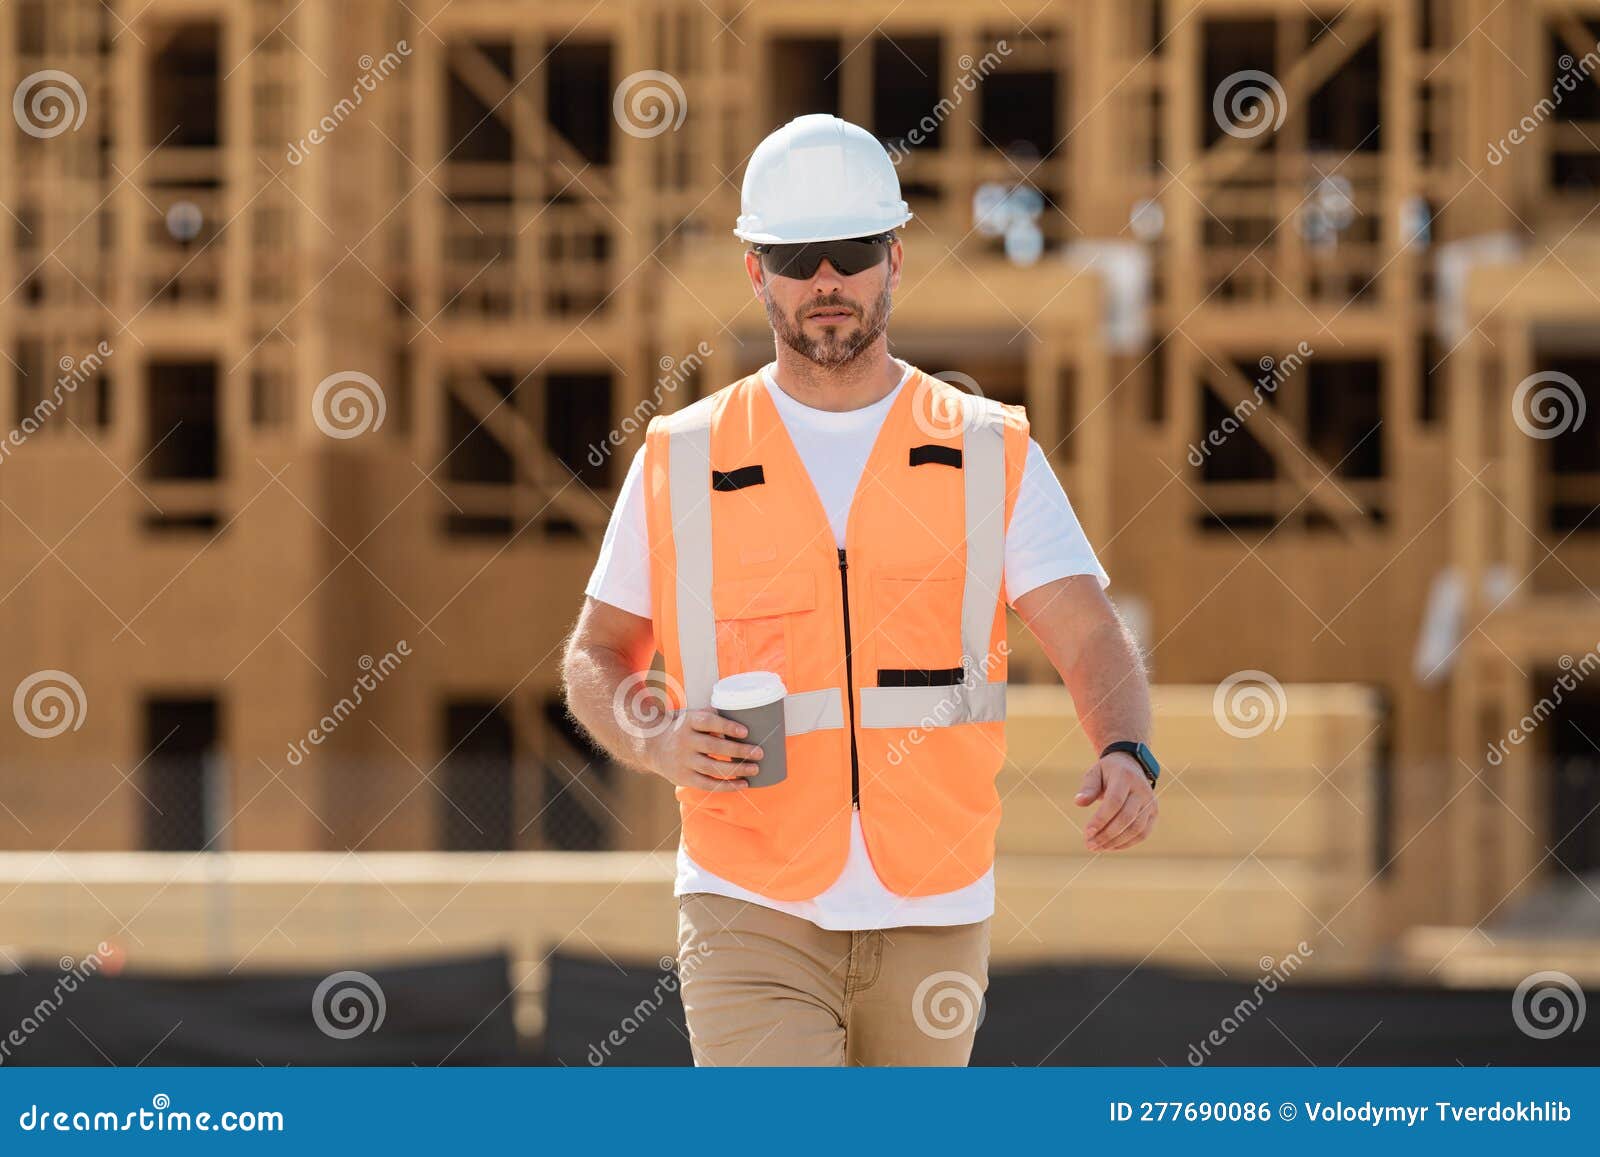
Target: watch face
(1147, 757)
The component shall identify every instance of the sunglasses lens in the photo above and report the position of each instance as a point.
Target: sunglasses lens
(847, 257)
(851, 257)
(791, 260)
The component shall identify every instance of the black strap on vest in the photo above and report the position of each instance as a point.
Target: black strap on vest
(737, 479)
(944, 455)
(903, 677)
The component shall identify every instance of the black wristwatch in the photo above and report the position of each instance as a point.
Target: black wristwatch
(1146, 758)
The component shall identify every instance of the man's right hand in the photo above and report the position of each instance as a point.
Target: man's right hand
(682, 754)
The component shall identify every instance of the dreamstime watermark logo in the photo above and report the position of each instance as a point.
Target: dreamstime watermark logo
(1249, 103)
(1273, 973)
(372, 71)
(1574, 75)
(1547, 1004)
(1545, 707)
(1274, 372)
(643, 703)
(1548, 404)
(948, 1003)
(1249, 703)
(155, 1119)
(49, 103)
(74, 372)
(649, 103)
(347, 404)
(73, 973)
(940, 413)
(375, 671)
(674, 373)
(49, 703)
(348, 1004)
(674, 973)
(972, 71)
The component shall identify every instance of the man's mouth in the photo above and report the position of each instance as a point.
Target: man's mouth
(830, 313)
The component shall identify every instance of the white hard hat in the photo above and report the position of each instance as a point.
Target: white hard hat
(819, 178)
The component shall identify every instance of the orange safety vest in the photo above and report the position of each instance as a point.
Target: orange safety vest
(892, 649)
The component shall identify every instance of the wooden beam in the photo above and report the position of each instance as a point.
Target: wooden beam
(528, 451)
(1309, 73)
(1299, 462)
(1573, 34)
(495, 90)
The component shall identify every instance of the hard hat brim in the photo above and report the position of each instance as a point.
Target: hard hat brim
(819, 232)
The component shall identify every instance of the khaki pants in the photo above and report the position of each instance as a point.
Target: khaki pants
(765, 988)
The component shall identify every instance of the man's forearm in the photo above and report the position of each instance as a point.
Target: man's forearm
(1108, 686)
(1096, 656)
(593, 675)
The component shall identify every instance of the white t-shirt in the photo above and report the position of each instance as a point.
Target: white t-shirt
(1044, 542)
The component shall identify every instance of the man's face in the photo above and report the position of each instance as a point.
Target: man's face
(827, 318)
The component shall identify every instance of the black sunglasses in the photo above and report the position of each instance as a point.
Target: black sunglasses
(848, 257)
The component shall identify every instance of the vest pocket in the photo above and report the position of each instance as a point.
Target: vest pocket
(755, 621)
(918, 613)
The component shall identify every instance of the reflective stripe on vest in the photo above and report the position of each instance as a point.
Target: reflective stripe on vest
(974, 700)
(689, 483)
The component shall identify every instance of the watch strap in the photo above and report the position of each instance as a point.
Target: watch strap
(1132, 748)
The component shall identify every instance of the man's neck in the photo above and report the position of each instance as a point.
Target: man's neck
(869, 378)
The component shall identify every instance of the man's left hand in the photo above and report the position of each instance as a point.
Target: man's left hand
(1128, 811)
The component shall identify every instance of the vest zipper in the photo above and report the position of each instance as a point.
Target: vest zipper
(849, 689)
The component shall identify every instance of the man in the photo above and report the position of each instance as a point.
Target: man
(857, 527)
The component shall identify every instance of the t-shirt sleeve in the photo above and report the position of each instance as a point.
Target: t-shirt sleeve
(1044, 541)
(621, 575)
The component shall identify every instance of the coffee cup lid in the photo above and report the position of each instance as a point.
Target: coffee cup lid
(747, 689)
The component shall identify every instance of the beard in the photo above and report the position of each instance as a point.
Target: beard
(835, 346)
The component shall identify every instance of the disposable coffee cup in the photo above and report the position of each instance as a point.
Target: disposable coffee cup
(755, 698)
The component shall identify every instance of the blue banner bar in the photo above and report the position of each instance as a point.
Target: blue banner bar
(770, 1111)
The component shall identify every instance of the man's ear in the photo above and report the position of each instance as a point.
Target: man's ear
(752, 268)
